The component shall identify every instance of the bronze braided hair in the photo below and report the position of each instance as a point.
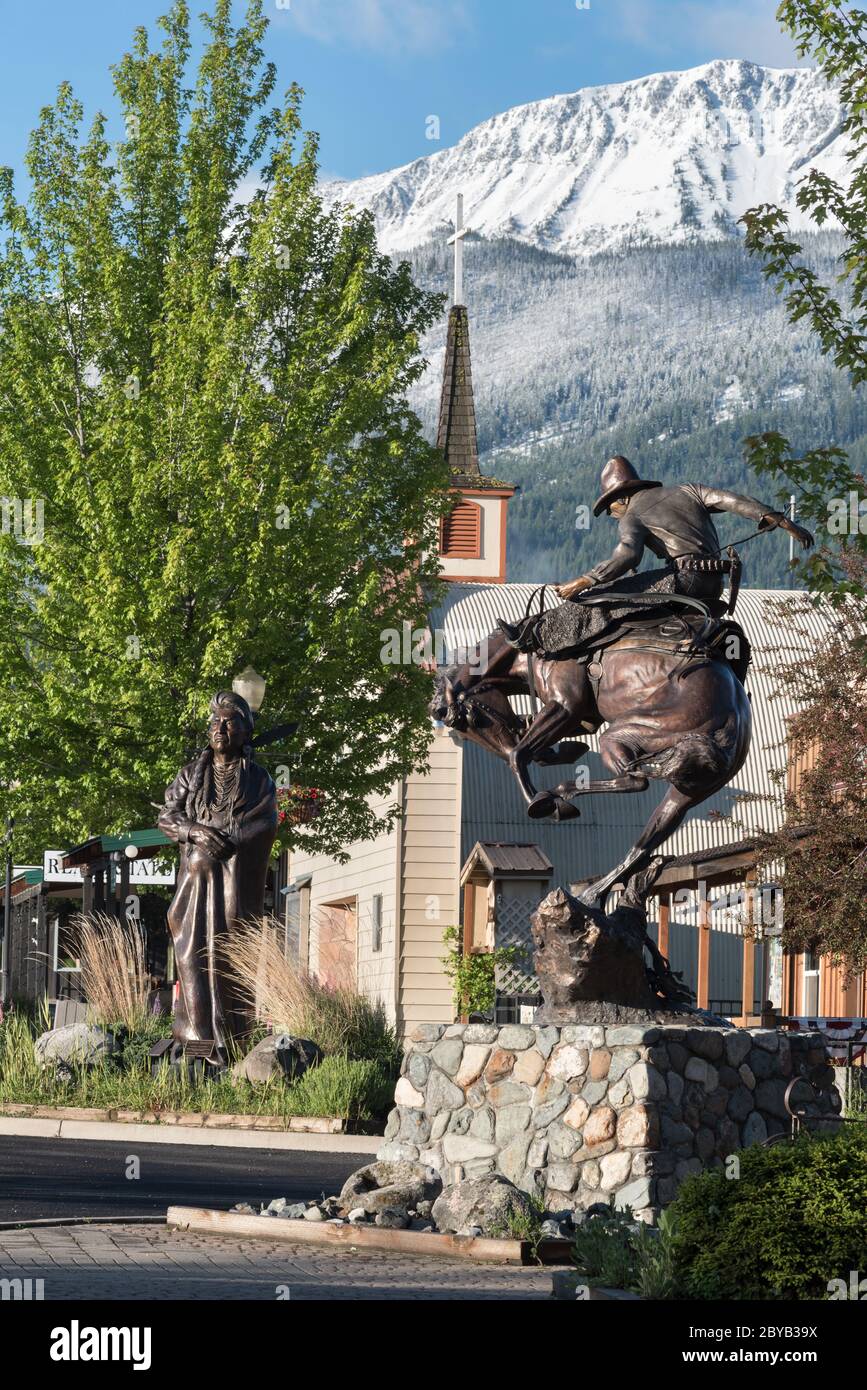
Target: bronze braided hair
(201, 780)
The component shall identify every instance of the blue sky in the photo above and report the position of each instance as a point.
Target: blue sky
(376, 70)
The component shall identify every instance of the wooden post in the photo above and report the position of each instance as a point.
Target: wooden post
(86, 888)
(748, 984)
(123, 885)
(98, 871)
(703, 987)
(664, 918)
(469, 916)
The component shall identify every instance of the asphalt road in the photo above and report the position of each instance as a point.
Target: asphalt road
(51, 1178)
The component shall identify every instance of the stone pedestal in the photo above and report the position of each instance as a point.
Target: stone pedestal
(580, 1113)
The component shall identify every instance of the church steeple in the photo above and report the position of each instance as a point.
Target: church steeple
(473, 535)
(456, 435)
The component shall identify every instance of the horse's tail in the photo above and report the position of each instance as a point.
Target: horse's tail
(694, 762)
(732, 644)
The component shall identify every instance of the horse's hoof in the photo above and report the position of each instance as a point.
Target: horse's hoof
(547, 804)
(573, 749)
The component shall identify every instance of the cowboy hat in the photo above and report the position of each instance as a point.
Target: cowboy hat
(619, 479)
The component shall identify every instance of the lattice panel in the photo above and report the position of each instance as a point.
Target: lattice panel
(513, 929)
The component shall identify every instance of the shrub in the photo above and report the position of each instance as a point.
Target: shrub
(135, 1047)
(795, 1219)
(353, 1090)
(655, 1258)
(338, 1018)
(615, 1251)
(604, 1249)
(474, 973)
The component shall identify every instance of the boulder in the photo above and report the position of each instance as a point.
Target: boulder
(278, 1055)
(392, 1218)
(486, 1202)
(80, 1044)
(380, 1186)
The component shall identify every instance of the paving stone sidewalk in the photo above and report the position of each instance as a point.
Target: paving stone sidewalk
(153, 1263)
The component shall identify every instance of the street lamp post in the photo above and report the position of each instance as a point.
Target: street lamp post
(251, 687)
(6, 939)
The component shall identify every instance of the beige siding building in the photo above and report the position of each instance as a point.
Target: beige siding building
(379, 919)
(430, 873)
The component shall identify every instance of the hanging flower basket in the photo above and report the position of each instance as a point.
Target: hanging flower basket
(298, 805)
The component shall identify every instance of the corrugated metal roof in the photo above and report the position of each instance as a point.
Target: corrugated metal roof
(511, 858)
(493, 808)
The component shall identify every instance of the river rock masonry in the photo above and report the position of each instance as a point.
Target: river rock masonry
(582, 1113)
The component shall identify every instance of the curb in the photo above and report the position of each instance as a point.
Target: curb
(124, 1131)
(205, 1221)
(191, 1119)
(47, 1222)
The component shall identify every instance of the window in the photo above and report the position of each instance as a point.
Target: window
(63, 961)
(811, 984)
(297, 921)
(376, 922)
(461, 533)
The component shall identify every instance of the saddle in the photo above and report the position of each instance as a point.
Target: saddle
(691, 637)
(523, 635)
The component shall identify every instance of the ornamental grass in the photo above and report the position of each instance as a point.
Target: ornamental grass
(340, 1020)
(114, 973)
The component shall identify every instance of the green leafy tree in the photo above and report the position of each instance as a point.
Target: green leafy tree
(829, 489)
(207, 394)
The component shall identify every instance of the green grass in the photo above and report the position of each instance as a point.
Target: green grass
(350, 1090)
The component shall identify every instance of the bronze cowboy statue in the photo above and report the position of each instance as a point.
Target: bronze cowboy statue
(653, 656)
(222, 811)
(673, 523)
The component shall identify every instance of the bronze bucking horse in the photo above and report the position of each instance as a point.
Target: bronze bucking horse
(653, 658)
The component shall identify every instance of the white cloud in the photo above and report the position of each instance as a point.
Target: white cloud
(388, 26)
(729, 29)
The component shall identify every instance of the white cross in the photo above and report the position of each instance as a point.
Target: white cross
(457, 241)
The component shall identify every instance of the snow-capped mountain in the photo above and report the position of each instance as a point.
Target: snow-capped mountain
(663, 159)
